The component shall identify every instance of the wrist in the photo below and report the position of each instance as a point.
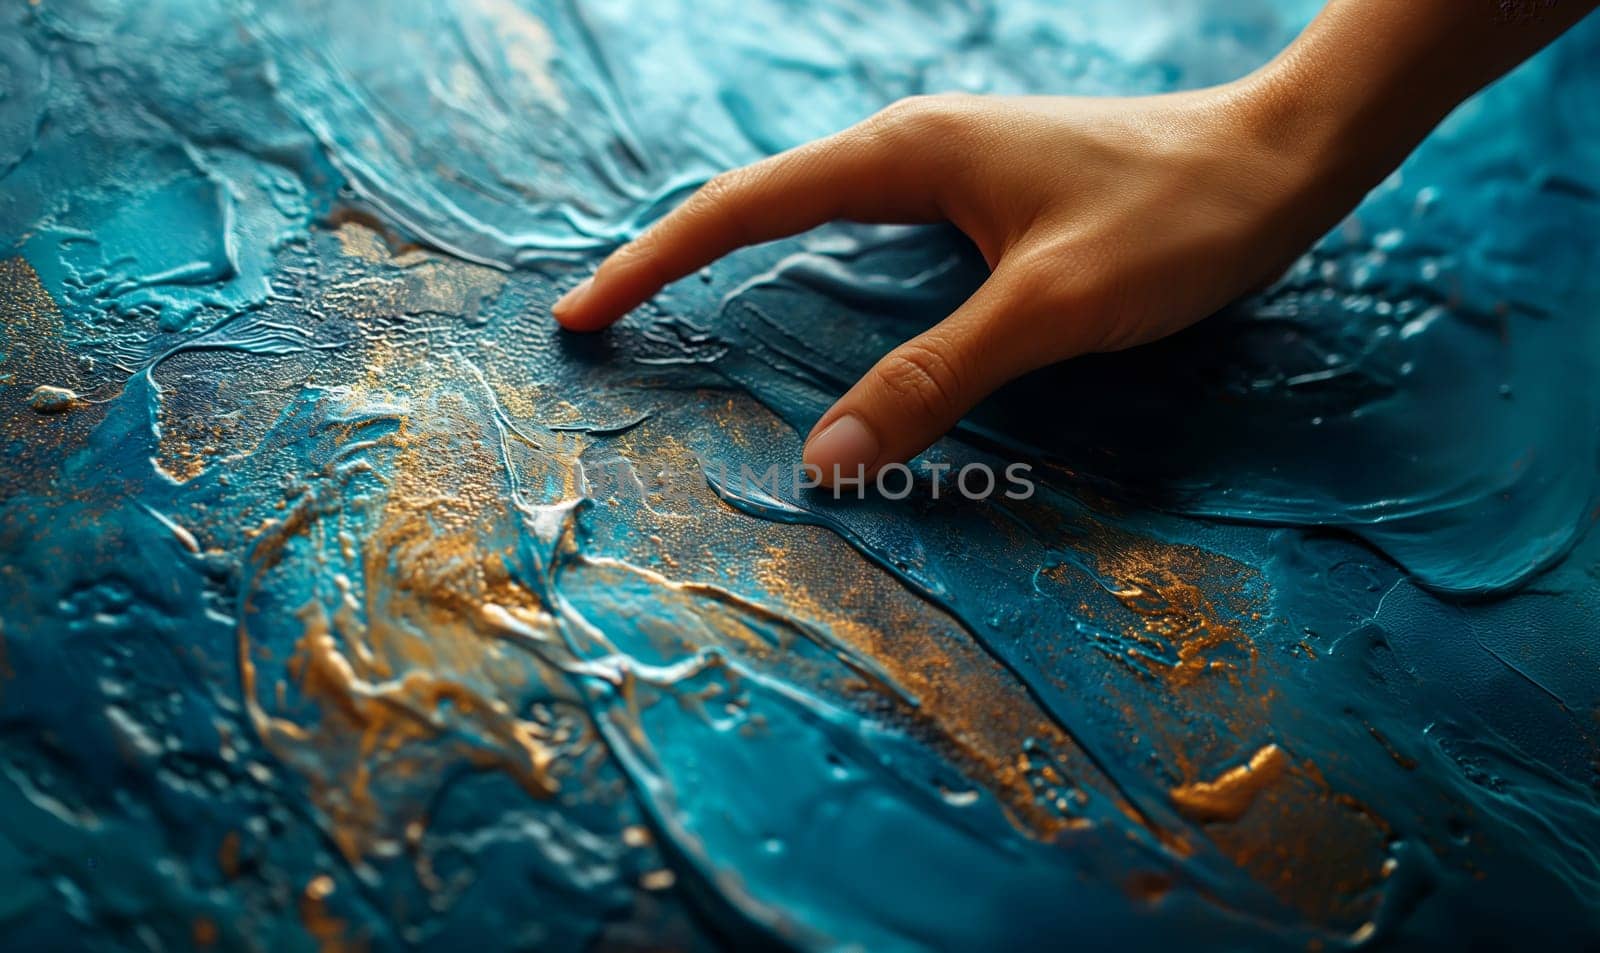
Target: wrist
(1368, 79)
(1333, 137)
(1332, 126)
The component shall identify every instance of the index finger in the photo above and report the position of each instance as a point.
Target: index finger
(847, 175)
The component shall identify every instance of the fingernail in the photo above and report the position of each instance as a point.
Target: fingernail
(845, 446)
(566, 301)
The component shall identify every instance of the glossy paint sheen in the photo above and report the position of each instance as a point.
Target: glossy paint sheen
(315, 637)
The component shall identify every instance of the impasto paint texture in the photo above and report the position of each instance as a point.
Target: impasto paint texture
(316, 637)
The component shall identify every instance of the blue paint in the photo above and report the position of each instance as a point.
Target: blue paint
(313, 638)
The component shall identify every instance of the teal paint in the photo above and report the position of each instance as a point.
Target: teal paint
(309, 630)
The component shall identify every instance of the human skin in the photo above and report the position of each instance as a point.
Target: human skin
(1106, 222)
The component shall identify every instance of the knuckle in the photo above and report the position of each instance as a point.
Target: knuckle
(935, 116)
(718, 202)
(718, 192)
(1063, 295)
(1035, 288)
(1041, 282)
(901, 110)
(641, 248)
(923, 377)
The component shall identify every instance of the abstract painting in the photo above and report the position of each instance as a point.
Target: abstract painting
(346, 603)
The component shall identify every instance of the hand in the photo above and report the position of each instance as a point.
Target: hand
(1106, 222)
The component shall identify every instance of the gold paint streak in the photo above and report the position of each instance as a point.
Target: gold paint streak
(404, 675)
(1184, 617)
(228, 855)
(33, 355)
(328, 930)
(662, 879)
(1160, 584)
(975, 707)
(1232, 793)
(204, 931)
(962, 702)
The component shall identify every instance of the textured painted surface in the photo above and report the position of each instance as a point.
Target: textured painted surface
(313, 638)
